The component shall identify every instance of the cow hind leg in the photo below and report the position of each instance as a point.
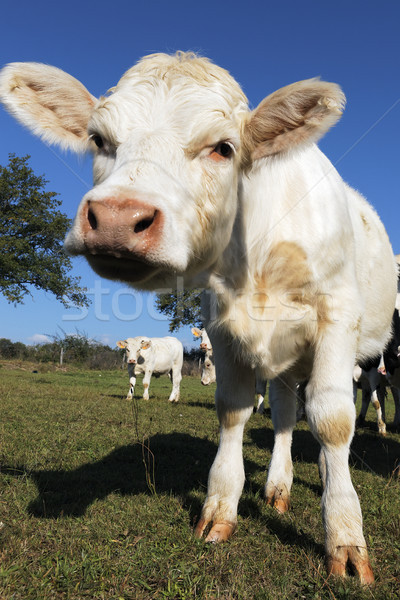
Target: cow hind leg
(396, 399)
(365, 400)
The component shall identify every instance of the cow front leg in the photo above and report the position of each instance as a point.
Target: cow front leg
(234, 401)
(132, 382)
(146, 384)
(331, 416)
(176, 376)
(282, 398)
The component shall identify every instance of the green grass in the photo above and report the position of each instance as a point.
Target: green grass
(99, 496)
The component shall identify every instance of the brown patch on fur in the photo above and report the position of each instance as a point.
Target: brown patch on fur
(337, 432)
(145, 385)
(298, 113)
(229, 418)
(287, 272)
(323, 312)
(286, 268)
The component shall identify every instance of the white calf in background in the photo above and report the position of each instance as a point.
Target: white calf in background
(207, 364)
(153, 356)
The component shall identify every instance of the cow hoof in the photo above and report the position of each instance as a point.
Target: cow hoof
(356, 558)
(200, 527)
(219, 532)
(279, 502)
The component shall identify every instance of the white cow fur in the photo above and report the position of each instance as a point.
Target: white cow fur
(301, 274)
(153, 356)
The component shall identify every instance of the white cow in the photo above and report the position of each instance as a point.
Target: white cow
(153, 356)
(189, 182)
(208, 366)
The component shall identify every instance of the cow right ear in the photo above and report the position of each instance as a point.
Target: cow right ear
(52, 104)
(196, 331)
(121, 344)
(297, 114)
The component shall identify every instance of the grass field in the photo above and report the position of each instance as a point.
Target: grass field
(98, 498)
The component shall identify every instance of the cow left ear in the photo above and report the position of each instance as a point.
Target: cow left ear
(121, 344)
(298, 113)
(52, 104)
(145, 344)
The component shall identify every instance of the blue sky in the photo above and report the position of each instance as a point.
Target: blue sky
(265, 45)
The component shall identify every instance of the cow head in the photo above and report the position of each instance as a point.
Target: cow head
(205, 343)
(208, 374)
(170, 142)
(134, 348)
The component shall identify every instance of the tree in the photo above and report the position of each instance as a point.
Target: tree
(32, 230)
(182, 308)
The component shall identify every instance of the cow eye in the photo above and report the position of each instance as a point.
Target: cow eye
(223, 150)
(98, 140)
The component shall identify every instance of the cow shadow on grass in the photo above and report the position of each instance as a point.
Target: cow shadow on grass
(175, 463)
(210, 405)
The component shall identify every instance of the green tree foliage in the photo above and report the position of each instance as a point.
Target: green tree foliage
(182, 308)
(77, 349)
(32, 230)
(9, 349)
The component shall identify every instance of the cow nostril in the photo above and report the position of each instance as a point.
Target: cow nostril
(92, 219)
(145, 223)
